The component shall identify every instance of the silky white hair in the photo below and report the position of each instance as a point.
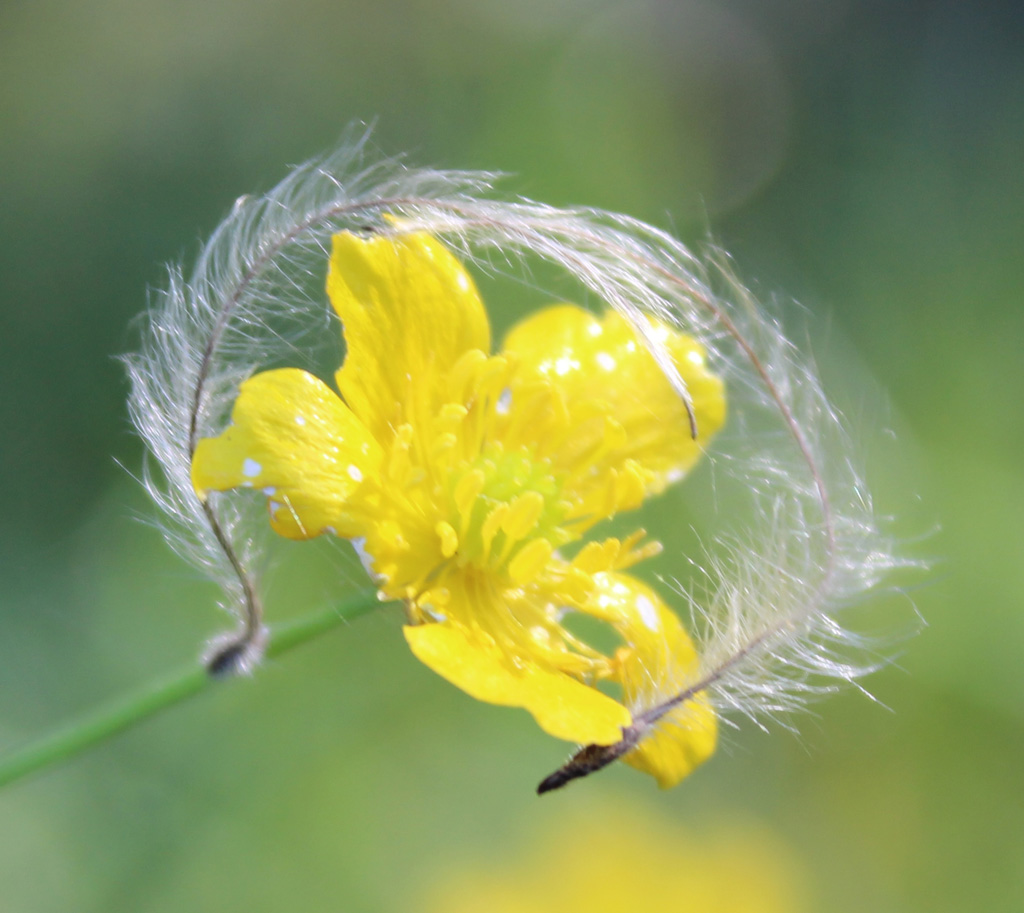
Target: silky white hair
(765, 612)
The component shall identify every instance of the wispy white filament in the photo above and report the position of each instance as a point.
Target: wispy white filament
(765, 618)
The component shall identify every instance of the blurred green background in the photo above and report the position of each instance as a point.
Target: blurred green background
(864, 158)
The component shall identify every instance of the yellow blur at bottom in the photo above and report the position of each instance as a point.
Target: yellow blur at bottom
(630, 861)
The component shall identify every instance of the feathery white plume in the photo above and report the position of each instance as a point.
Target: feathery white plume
(765, 624)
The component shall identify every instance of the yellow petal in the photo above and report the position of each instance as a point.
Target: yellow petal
(658, 662)
(627, 431)
(561, 705)
(409, 311)
(682, 740)
(293, 438)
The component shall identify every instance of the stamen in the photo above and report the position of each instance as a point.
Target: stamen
(491, 526)
(449, 539)
(530, 561)
(523, 515)
(467, 490)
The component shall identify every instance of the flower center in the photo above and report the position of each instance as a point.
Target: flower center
(505, 511)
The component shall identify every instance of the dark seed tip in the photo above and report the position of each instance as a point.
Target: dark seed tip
(227, 661)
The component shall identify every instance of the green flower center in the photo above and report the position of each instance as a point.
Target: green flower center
(502, 504)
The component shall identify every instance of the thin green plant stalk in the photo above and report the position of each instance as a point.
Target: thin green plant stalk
(91, 728)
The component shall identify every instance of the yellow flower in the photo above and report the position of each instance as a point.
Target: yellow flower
(611, 859)
(458, 475)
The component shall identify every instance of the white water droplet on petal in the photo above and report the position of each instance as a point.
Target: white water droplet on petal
(648, 612)
(540, 634)
(504, 402)
(251, 468)
(606, 361)
(595, 329)
(300, 420)
(564, 365)
(355, 473)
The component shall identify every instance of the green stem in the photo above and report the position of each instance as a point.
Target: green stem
(93, 727)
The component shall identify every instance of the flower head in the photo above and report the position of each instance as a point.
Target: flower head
(611, 858)
(460, 475)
